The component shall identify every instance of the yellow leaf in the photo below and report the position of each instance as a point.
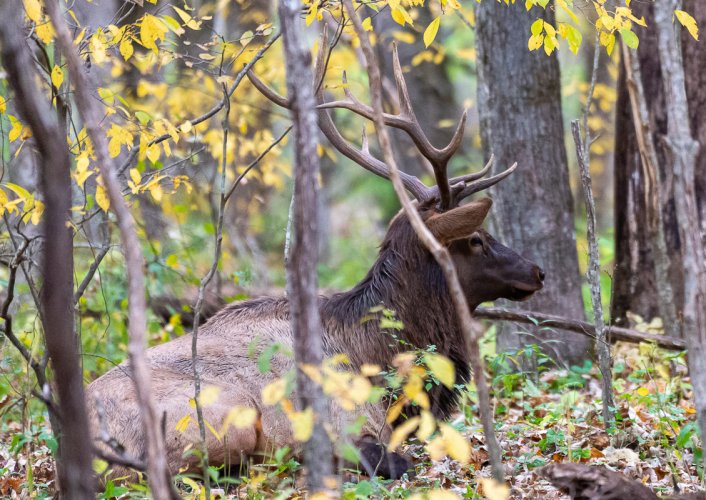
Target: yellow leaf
(395, 410)
(98, 49)
(126, 48)
(3, 201)
(135, 176)
(57, 76)
(367, 24)
(186, 127)
(643, 391)
(688, 22)
(302, 424)
(37, 212)
(456, 445)
(368, 370)
(45, 32)
(535, 42)
(312, 372)
(102, 198)
(493, 489)
(274, 392)
(152, 29)
(402, 432)
(155, 189)
(34, 10)
(313, 11)
(153, 153)
(431, 31)
(183, 423)
(239, 417)
(3, 104)
(398, 16)
(442, 368)
(427, 425)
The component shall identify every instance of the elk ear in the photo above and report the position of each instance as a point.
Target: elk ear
(459, 222)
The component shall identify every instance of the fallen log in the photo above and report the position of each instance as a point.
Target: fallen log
(597, 482)
(615, 333)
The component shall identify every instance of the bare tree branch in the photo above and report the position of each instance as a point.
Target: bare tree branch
(613, 333)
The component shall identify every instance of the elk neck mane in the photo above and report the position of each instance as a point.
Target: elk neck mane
(406, 279)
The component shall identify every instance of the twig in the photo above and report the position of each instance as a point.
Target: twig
(583, 155)
(256, 161)
(440, 253)
(91, 271)
(199, 302)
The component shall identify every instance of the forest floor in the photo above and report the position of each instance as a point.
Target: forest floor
(554, 417)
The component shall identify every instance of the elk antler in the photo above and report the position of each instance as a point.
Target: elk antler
(448, 192)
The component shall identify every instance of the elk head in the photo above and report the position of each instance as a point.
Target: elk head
(487, 269)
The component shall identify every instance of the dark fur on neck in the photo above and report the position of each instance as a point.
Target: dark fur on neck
(405, 278)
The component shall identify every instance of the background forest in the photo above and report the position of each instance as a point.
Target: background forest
(155, 124)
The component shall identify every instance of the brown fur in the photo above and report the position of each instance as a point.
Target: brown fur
(404, 278)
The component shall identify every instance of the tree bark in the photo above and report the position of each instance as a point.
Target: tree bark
(76, 479)
(302, 280)
(521, 120)
(694, 57)
(636, 285)
(682, 159)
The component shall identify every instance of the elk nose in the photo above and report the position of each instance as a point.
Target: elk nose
(540, 274)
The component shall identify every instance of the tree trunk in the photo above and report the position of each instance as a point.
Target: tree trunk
(76, 479)
(682, 160)
(635, 285)
(302, 280)
(521, 120)
(694, 57)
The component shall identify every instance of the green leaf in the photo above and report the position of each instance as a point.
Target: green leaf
(143, 117)
(630, 38)
(431, 31)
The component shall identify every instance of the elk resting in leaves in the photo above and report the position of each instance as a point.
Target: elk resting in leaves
(405, 278)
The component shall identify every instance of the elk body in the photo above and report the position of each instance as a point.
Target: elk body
(405, 278)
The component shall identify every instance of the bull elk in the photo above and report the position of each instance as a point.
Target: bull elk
(405, 277)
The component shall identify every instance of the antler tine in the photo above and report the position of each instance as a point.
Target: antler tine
(480, 185)
(402, 92)
(367, 160)
(475, 175)
(362, 157)
(268, 92)
(320, 64)
(456, 139)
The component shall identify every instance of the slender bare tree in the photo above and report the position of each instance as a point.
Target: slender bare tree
(302, 282)
(76, 479)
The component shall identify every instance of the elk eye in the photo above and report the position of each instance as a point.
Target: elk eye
(476, 241)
